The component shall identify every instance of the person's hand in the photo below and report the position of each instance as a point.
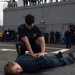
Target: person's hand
(40, 54)
(34, 55)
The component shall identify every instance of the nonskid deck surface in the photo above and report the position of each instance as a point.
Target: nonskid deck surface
(8, 53)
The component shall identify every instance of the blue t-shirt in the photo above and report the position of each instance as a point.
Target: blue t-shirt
(32, 34)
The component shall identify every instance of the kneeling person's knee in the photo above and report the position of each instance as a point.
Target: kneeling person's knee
(20, 48)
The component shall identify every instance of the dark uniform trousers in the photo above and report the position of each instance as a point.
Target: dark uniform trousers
(21, 47)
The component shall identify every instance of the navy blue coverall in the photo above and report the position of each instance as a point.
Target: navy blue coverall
(32, 64)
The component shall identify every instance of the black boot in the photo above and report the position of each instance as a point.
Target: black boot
(59, 55)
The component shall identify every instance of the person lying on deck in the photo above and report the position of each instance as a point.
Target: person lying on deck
(30, 64)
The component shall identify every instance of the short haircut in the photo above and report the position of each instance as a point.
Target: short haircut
(29, 19)
(8, 68)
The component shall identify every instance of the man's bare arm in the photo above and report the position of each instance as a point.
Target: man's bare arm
(28, 46)
(42, 43)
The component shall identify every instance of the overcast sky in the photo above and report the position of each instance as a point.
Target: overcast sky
(2, 4)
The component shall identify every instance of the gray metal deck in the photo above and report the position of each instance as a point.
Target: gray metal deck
(8, 53)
